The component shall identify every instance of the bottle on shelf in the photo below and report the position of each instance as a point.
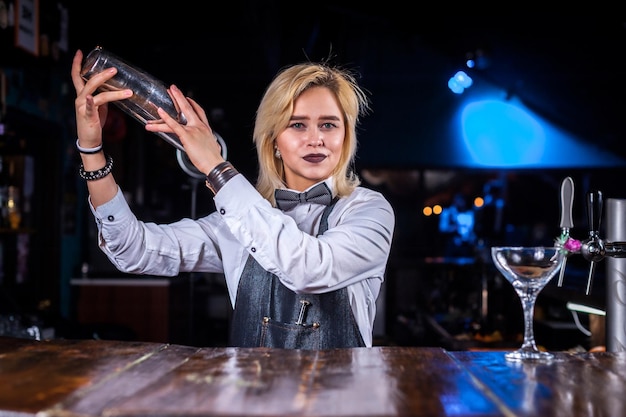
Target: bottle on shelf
(14, 212)
(4, 193)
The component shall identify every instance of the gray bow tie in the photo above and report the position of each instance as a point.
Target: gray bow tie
(286, 200)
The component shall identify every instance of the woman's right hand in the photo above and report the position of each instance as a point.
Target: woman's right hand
(92, 109)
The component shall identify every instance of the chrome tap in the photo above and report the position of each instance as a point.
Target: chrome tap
(595, 249)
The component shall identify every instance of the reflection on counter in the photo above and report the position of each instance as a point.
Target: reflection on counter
(94, 378)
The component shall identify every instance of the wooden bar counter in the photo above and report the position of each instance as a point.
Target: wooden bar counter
(110, 378)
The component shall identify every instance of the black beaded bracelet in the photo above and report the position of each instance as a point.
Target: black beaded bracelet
(220, 175)
(98, 174)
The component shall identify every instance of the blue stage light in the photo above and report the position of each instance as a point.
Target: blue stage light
(459, 82)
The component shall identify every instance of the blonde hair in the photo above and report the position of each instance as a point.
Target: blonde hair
(276, 108)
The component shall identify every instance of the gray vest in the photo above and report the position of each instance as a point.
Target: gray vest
(269, 314)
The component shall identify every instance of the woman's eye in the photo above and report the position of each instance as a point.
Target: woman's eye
(297, 125)
(328, 125)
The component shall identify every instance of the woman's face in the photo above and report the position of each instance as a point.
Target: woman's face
(311, 145)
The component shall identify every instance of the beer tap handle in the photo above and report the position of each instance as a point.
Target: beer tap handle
(594, 212)
(593, 249)
(567, 202)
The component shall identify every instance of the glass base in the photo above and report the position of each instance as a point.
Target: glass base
(529, 355)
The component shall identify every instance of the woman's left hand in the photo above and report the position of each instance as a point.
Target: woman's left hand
(196, 135)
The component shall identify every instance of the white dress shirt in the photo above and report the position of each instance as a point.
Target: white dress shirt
(352, 253)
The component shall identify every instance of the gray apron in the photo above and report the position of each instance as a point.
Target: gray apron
(269, 314)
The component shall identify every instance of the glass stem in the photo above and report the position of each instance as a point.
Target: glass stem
(528, 306)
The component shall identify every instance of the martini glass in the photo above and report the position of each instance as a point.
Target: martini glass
(528, 269)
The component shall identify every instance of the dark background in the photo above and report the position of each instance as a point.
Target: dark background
(568, 69)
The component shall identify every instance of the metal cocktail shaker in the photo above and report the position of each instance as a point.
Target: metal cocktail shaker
(149, 92)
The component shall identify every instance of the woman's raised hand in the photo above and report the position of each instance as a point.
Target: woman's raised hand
(91, 108)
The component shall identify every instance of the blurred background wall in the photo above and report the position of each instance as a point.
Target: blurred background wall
(545, 101)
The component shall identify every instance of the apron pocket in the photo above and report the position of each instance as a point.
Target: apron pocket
(289, 335)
